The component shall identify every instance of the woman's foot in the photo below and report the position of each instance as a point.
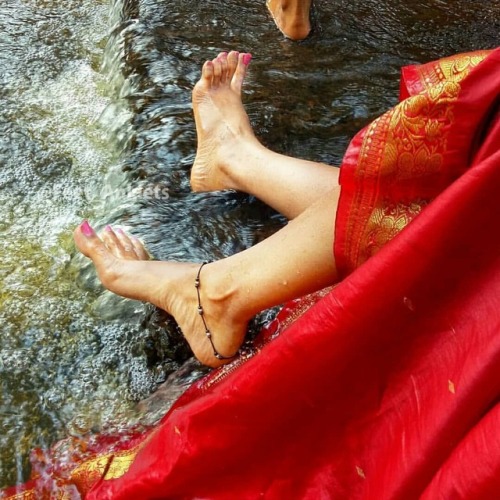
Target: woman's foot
(123, 266)
(222, 125)
(291, 17)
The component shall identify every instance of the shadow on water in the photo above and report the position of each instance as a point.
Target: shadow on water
(116, 145)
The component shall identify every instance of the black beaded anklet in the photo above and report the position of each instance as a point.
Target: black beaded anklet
(200, 312)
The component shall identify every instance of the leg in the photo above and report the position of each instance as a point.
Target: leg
(296, 260)
(229, 156)
(291, 17)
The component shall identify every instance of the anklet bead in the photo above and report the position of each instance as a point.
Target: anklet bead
(208, 333)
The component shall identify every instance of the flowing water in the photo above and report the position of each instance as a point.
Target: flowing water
(96, 123)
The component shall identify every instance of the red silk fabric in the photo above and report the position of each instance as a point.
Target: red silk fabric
(389, 385)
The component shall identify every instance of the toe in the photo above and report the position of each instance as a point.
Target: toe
(140, 248)
(118, 244)
(222, 58)
(217, 72)
(132, 245)
(241, 69)
(207, 72)
(232, 63)
(111, 241)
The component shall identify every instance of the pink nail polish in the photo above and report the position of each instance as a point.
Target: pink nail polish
(120, 230)
(109, 229)
(246, 59)
(86, 229)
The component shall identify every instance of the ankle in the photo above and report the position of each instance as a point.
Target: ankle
(236, 166)
(221, 294)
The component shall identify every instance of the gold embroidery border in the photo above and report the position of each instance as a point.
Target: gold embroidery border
(398, 135)
(109, 466)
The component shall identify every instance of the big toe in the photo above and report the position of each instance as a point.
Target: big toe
(93, 247)
(240, 71)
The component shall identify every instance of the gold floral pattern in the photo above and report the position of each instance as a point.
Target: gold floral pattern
(451, 69)
(109, 466)
(400, 167)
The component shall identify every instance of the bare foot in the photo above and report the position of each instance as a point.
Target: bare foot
(222, 125)
(291, 17)
(124, 267)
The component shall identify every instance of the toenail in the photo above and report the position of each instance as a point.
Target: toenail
(86, 228)
(246, 59)
(109, 229)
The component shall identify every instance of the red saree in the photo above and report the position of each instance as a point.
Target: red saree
(388, 386)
